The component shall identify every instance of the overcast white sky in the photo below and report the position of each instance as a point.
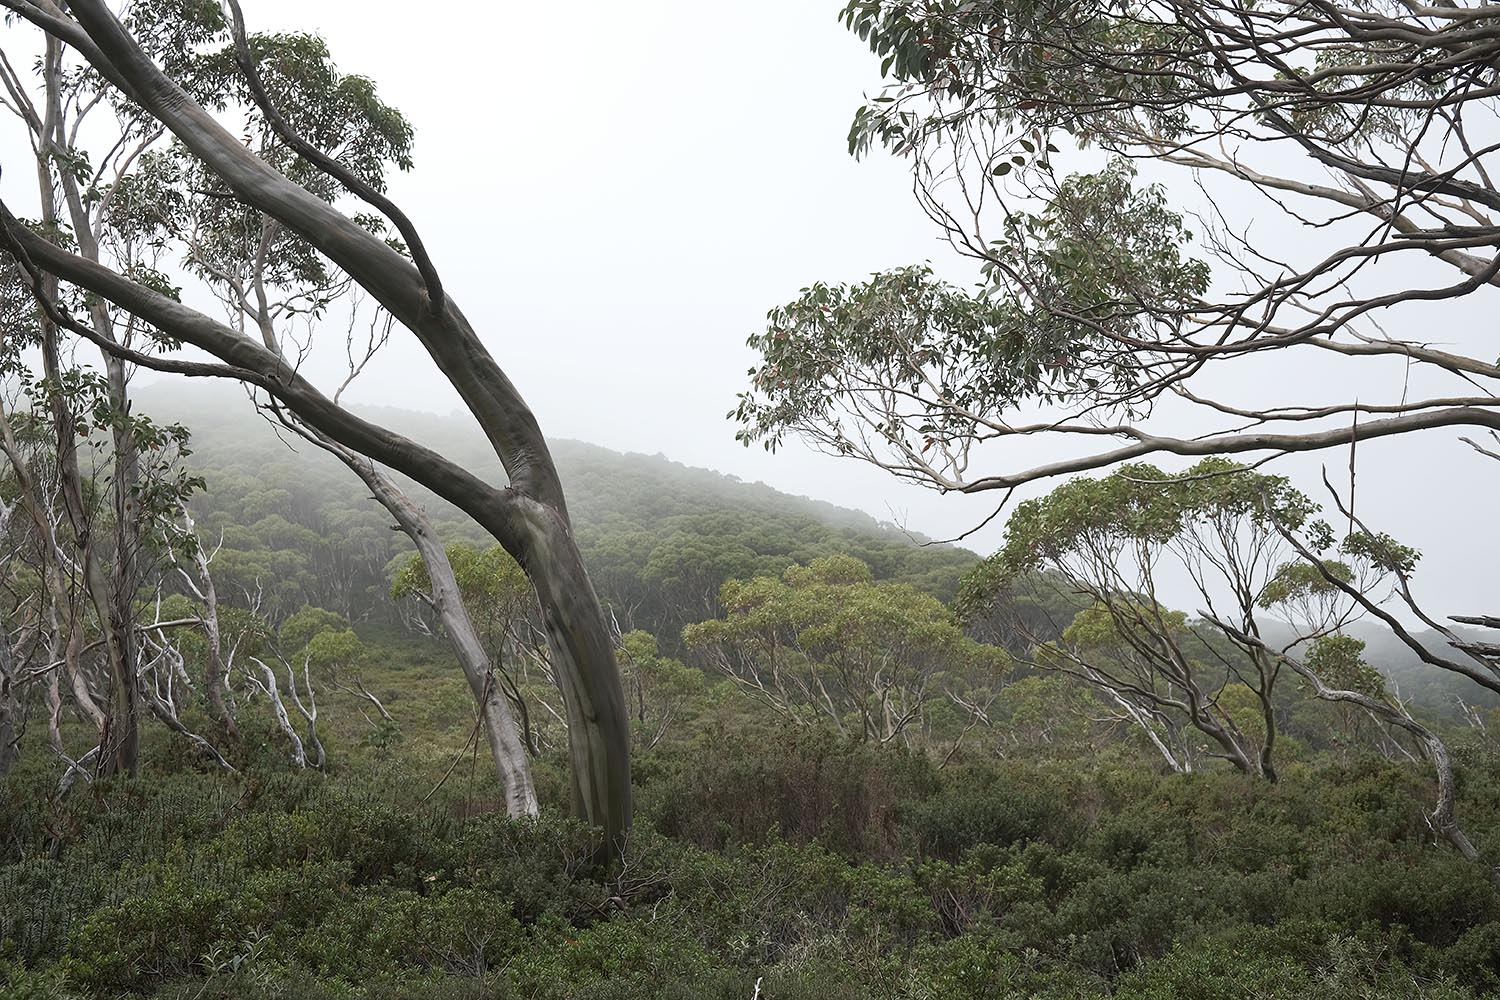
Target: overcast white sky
(617, 193)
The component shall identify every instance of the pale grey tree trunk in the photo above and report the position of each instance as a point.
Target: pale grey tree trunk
(1147, 726)
(278, 710)
(124, 577)
(512, 766)
(121, 735)
(201, 583)
(120, 741)
(54, 681)
(215, 683)
(158, 693)
(1441, 817)
(308, 711)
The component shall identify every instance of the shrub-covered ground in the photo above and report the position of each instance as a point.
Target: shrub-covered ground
(814, 867)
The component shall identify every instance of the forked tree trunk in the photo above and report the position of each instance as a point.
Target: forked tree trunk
(278, 710)
(309, 711)
(1201, 712)
(215, 681)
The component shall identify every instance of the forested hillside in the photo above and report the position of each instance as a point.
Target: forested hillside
(659, 538)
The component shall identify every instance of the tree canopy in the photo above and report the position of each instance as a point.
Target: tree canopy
(1110, 315)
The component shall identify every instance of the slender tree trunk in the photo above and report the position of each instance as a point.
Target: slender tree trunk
(1144, 721)
(10, 693)
(1267, 763)
(121, 735)
(73, 663)
(163, 704)
(278, 709)
(215, 683)
(215, 671)
(507, 749)
(1441, 818)
(124, 580)
(121, 738)
(54, 687)
(308, 711)
(1266, 669)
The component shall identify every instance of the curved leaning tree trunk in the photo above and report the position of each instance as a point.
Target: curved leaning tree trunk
(1441, 817)
(529, 518)
(512, 766)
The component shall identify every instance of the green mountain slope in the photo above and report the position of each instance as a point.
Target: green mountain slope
(659, 537)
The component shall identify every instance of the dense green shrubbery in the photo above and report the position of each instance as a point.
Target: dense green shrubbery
(799, 785)
(824, 869)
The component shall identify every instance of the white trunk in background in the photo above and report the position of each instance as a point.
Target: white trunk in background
(512, 766)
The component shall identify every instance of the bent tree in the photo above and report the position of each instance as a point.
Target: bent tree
(271, 283)
(1207, 685)
(1341, 158)
(1114, 542)
(528, 517)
